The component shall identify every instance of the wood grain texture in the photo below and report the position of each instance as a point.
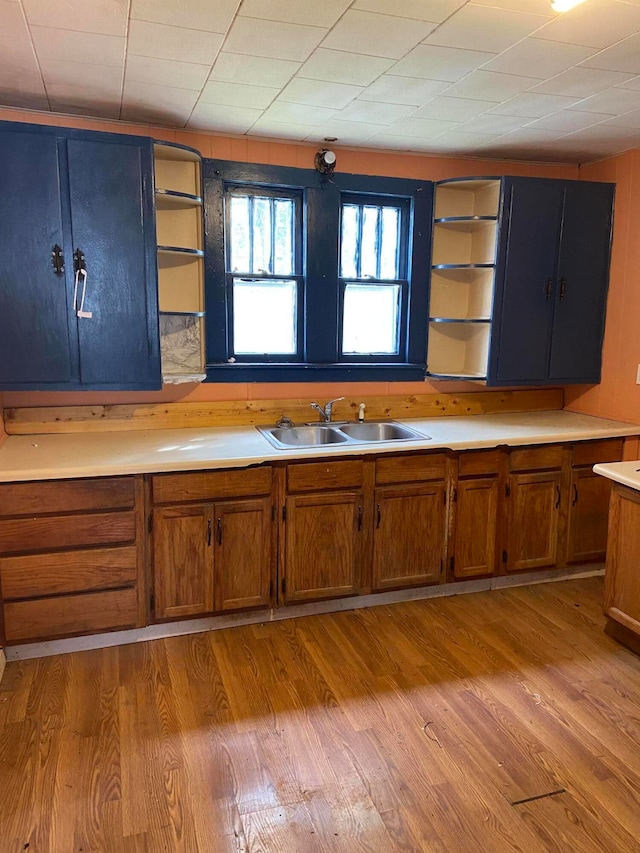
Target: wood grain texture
(313, 476)
(58, 496)
(26, 421)
(23, 535)
(211, 485)
(476, 514)
(411, 468)
(622, 578)
(452, 725)
(534, 511)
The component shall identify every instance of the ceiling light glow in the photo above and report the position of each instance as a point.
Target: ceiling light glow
(564, 5)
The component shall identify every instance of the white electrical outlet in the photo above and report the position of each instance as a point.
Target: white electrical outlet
(638, 375)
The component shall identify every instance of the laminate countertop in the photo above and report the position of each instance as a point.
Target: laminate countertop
(103, 454)
(626, 473)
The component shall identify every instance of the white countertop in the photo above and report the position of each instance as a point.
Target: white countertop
(101, 454)
(627, 473)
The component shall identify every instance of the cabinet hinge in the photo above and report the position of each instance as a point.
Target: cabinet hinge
(284, 513)
(283, 586)
(150, 524)
(452, 563)
(507, 491)
(504, 556)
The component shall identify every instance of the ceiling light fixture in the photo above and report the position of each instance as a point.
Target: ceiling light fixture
(564, 5)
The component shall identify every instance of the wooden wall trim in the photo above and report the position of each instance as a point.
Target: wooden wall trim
(71, 419)
(3, 662)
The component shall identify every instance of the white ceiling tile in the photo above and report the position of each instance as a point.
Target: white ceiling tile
(24, 98)
(83, 47)
(419, 10)
(604, 133)
(239, 95)
(484, 28)
(537, 7)
(320, 93)
(323, 14)
(280, 129)
(61, 72)
(272, 38)
(18, 55)
(624, 56)
(85, 100)
(631, 119)
(612, 101)
(598, 23)
(212, 17)
(108, 17)
(420, 127)
(376, 35)
(527, 136)
(459, 141)
(440, 63)
(412, 91)
(256, 70)
(148, 94)
(551, 57)
(374, 113)
(453, 109)
(223, 118)
(167, 72)
(491, 123)
(565, 121)
(345, 132)
(17, 76)
(281, 112)
(339, 66)
(479, 84)
(393, 143)
(581, 82)
(165, 116)
(633, 83)
(164, 42)
(13, 21)
(532, 105)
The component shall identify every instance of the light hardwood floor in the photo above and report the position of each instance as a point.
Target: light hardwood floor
(502, 721)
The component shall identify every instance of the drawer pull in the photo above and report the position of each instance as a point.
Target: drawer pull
(360, 517)
(557, 497)
(209, 533)
(219, 531)
(575, 495)
(378, 517)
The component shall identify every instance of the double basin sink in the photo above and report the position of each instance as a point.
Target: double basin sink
(316, 435)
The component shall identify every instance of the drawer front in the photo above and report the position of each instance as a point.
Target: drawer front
(211, 485)
(411, 468)
(544, 457)
(479, 463)
(315, 476)
(21, 535)
(57, 496)
(65, 572)
(592, 452)
(47, 618)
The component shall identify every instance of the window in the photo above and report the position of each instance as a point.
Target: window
(309, 278)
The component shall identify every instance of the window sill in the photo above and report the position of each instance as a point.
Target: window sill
(243, 372)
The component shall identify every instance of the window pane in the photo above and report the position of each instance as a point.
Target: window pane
(239, 244)
(389, 243)
(283, 242)
(349, 241)
(370, 322)
(264, 317)
(369, 248)
(261, 235)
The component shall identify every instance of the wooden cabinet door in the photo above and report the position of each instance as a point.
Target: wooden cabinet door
(243, 554)
(183, 561)
(476, 527)
(534, 509)
(410, 535)
(622, 578)
(588, 516)
(323, 546)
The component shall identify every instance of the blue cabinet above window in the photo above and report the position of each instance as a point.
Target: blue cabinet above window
(78, 285)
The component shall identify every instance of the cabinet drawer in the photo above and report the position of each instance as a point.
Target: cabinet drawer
(544, 457)
(21, 535)
(56, 496)
(314, 476)
(211, 485)
(411, 468)
(67, 571)
(479, 462)
(592, 452)
(45, 618)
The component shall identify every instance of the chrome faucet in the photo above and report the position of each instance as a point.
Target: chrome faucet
(326, 413)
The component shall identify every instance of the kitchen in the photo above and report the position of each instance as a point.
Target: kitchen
(428, 722)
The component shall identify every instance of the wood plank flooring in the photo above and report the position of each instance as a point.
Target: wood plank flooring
(502, 721)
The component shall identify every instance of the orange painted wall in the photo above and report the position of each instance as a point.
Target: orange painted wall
(618, 396)
(285, 154)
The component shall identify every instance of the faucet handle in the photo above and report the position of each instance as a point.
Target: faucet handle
(331, 402)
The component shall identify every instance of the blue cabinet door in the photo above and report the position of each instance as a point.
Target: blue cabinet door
(582, 278)
(36, 343)
(524, 301)
(111, 191)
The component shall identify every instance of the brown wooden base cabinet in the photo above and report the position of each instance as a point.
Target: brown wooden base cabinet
(475, 515)
(622, 575)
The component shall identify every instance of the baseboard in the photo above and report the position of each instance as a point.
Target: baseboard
(3, 663)
(216, 623)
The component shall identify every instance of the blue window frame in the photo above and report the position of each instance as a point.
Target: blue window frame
(347, 259)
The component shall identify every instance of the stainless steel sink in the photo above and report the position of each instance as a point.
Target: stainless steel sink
(349, 433)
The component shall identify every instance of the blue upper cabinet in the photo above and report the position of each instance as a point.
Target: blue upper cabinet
(78, 287)
(551, 282)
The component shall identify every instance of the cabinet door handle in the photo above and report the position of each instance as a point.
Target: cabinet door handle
(360, 517)
(209, 533)
(219, 524)
(547, 289)
(557, 497)
(57, 260)
(563, 287)
(378, 516)
(575, 495)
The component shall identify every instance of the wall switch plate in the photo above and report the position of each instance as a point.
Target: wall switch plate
(638, 375)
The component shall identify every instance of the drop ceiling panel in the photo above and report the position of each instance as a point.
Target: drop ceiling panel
(508, 78)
